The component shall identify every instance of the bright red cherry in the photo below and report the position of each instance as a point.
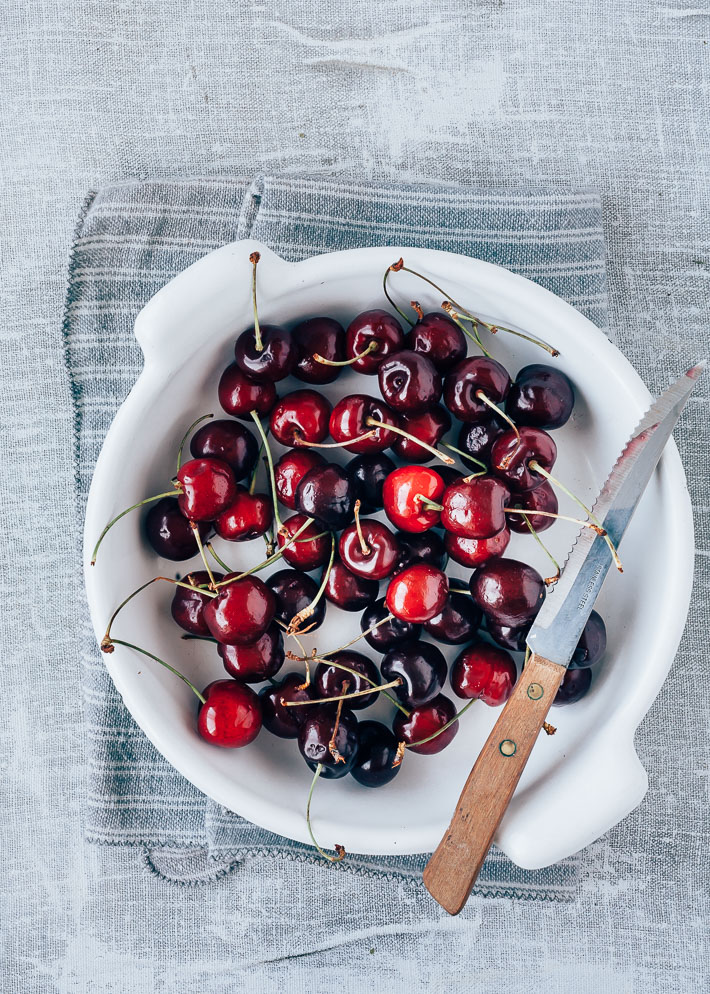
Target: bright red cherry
(420, 666)
(484, 672)
(230, 716)
(430, 426)
(409, 382)
(542, 498)
(457, 622)
(241, 612)
(507, 591)
(188, 606)
(592, 643)
(368, 474)
(349, 420)
(405, 493)
(274, 361)
(208, 488)
(474, 552)
(347, 591)
(511, 457)
(229, 441)
(330, 680)
(425, 721)
(327, 494)
(418, 593)
(372, 326)
(247, 517)
(300, 416)
(387, 633)
(463, 383)
(323, 337)
(290, 470)
(279, 719)
(475, 508)
(542, 397)
(255, 661)
(294, 591)
(239, 394)
(169, 532)
(376, 754)
(383, 550)
(318, 734)
(477, 439)
(310, 550)
(574, 686)
(437, 337)
(421, 547)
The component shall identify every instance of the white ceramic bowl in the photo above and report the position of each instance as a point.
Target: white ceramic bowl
(578, 782)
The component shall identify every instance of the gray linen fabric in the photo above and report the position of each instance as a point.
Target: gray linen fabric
(130, 240)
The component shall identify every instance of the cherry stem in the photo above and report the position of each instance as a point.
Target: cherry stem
(267, 450)
(255, 471)
(366, 550)
(306, 681)
(394, 269)
(374, 688)
(220, 562)
(181, 676)
(254, 260)
(332, 747)
(307, 611)
(199, 638)
(271, 559)
(465, 455)
(334, 445)
(473, 335)
(203, 417)
(549, 580)
(495, 328)
(484, 398)
(528, 653)
(200, 546)
(357, 638)
(148, 500)
(417, 308)
(548, 729)
(356, 673)
(429, 505)
(458, 590)
(412, 438)
(372, 346)
(176, 583)
(464, 709)
(553, 514)
(338, 849)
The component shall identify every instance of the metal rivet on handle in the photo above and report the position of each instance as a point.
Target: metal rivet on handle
(535, 691)
(507, 747)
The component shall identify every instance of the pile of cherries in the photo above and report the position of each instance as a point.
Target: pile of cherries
(317, 519)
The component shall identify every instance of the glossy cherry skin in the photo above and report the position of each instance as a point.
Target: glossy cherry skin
(376, 754)
(310, 550)
(511, 457)
(316, 733)
(330, 681)
(420, 666)
(256, 661)
(347, 591)
(327, 494)
(475, 508)
(349, 421)
(247, 517)
(542, 397)
(229, 441)
(423, 547)
(439, 339)
(477, 439)
(274, 361)
(368, 474)
(377, 326)
(542, 498)
(474, 552)
(188, 606)
(507, 591)
(383, 550)
(425, 721)
(418, 593)
(169, 533)
(279, 719)
(242, 612)
(302, 415)
(401, 492)
(208, 488)
(390, 633)
(507, 636)
(430, 426)
(592, 644)
(409, 382)
(484, 672)
(294, 591)
(574, 686)
(230, 716)
(239, 394)
(290, 470)
(324, 337)
(457, 622)
(466, 379)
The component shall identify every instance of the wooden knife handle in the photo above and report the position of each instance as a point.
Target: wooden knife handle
(453, 868)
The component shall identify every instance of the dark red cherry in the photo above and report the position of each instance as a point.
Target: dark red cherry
(542, 498)
(402, 494)
(327, 494)
(316, 734)
(450, 474)
(574, 686)
(423, 547)
(439, 339)
(372, 326)
(290, 470)
(511, 457)
(507, 591)
(425, 721)
(457, 622)
(321, 336)
(484, 673)
(474, 552)
(349, 421)
(347, 591)
(542, 397)
(208, 488)
(592, 644)
(255, 661)
(418, 593)
(420, 666)
(475, 508)
(239, 394)
(230, 716)
(279, 719)
(430, 426)
(242, 612)
(274, 361)
(376, 754)
(409, 382)
(247, 517)
(462, 384)
(390, 633)
(169, 533)
(509, 637)
(300, 416)
(188, 606)
(294, 591)
(330, 681)
(383, 548)
(368, 473)
(310, 550)
(477, 439)
(229, 441)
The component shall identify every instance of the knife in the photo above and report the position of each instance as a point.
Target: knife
(453, 868)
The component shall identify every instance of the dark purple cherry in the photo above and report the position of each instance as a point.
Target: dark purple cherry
(509, 637)
(430, 426)
(424, 721)
(330, 680)
(321, 336)
(390, 633)
(350, 420)
(290, 470)
(409, 382)
(382, 549)
(542, 498)
(327, 494)
(507, 591)
(372, 326)
(574, 686)
(542, 397)
(592, 645)
(439, 339)
(347, 591)
(458, 622)
(239, 394)
(376, 753)
(188, 606)
(421, 668)
(463, 383)
(368, 473)
(274, 361)
(477, 439)
(300, 417)
(256, 661)
(511, 457)
(169, 532)
(420, 547)
(294, 591)
(316, 734)
(229, 441)
(279, 719)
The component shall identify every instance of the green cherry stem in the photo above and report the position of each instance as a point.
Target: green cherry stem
(393, 269)
(473, 335)
(340, 852)
(203, 417)
(428, 505)
(549, 580)
(220, 562)
(254, 260)
(465, 455)
(464, 709)
(348, 669)
(129, 645)
(412, 438)
(274, 495)
(307, 611)
(372, 346)
(176, 583)
(271, 559)
(365, 548)
(200, 546)
(112, 522)
(375, 687)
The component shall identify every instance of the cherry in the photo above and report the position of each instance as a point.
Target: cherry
(574, 686)
(405, 493)
(507, 591)
(349, 420)
(255, 661)
(326, 493)
(372, 326)
(318, 731)
(294, 591)
(474, 552)
(477, 439)
(347, 591)
(409, 382)
(509, 637)
(382, 549)
(418, 593)
(421, 668)
(279, 719)
(425, 721)
(300, 417)
(511, 456)
(208, 488)
(318, 336)
(457, 622)
(592, 644)
(475, 508)
(368, 473)
(542, 498)
(169, 532)
(430, 426)
(310, 550)
(228, 441)
(247, 517)
(484, 673)
(437, 337)
(273, 361)
(422, 547)
(242, 611)
(376, 754)
(188, 606)
(230, 716)
(463, 383)
(330, 680)
(390, 633)
(239, 395)
(541, 396)
(290, 470)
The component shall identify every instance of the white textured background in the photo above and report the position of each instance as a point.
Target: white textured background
(610, 94)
